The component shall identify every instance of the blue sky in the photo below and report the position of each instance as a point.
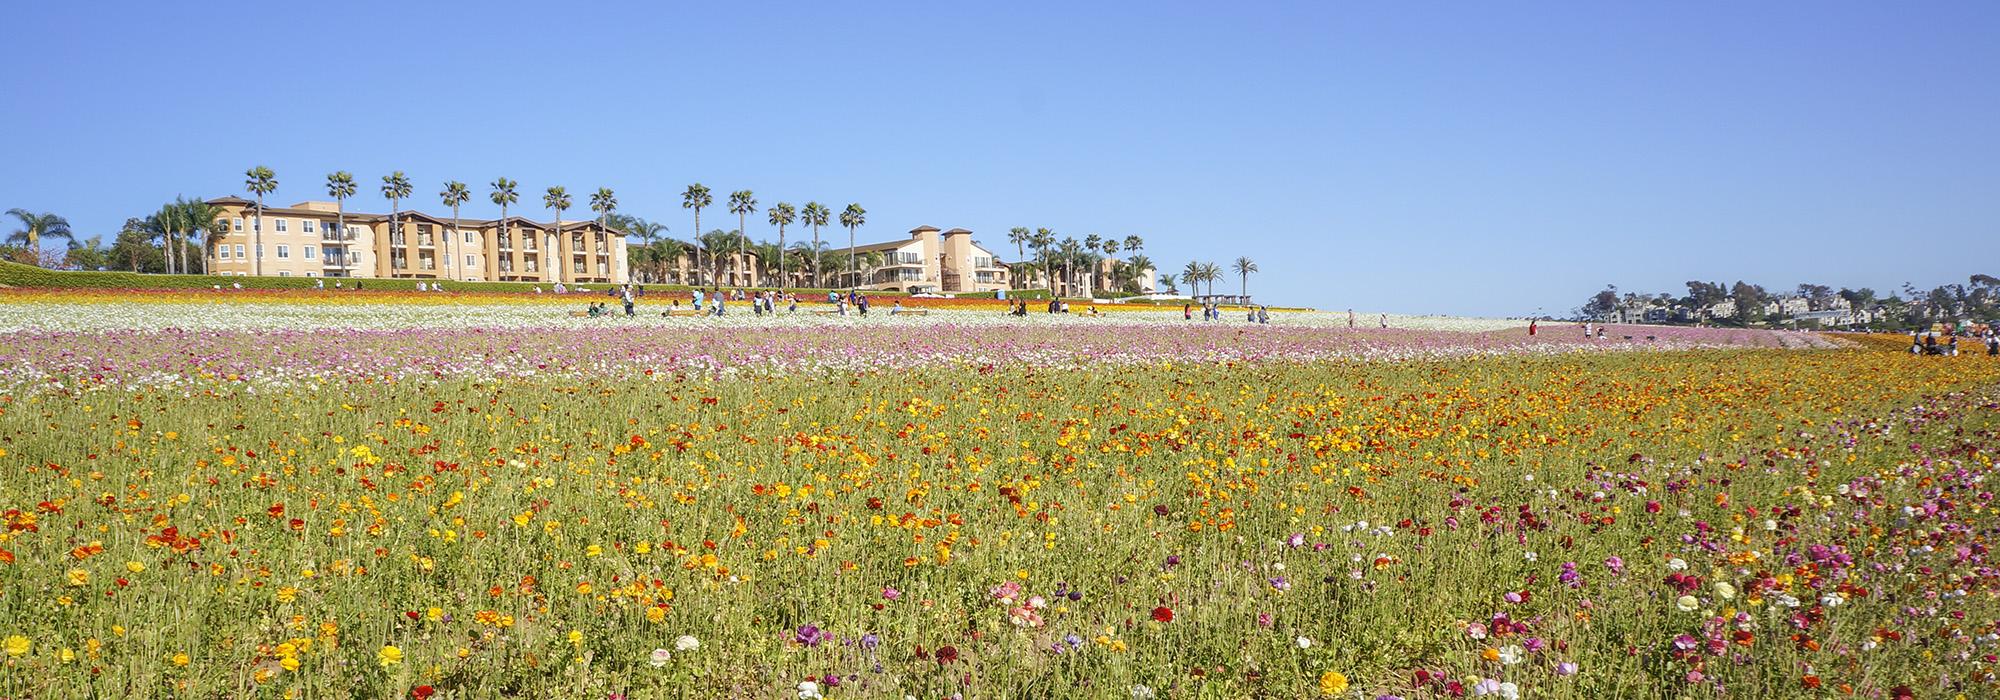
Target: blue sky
(1468, 158)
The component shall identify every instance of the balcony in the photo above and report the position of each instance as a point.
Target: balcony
(426, 242)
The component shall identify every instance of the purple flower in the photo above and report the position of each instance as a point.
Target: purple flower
(809, 635)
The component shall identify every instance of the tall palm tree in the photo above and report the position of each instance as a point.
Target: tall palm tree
(1211, 273)
(1243, 267)
(695, 198)
(1167, 281)
(815, 215)
(396, 187)
(1192, 277)
(1110, 248)
(1134, 243)
(1019, 236)
(714, 241)
(168, 222)
(455, 193)
(340, 186)
(603, 201)
(1067, 251)
(557, 198)
(1042, 239)
(205, 219)
(741, 203)
(1090, 245)
(782, 215)
(259, 181)
(35, 227)
(503, 195)
(853, 217)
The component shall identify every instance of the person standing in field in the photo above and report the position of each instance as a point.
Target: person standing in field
(1350, 319)
(627, 298)
(1531, 327)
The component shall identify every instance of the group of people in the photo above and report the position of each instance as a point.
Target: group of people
(1922, 343)
(1211, 311)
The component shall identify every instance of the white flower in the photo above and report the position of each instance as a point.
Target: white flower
(1510, 691)
(659, 658)
(1530, 556)
(1687, 603)
(1527, 477)
(1677, 564)
(686, 642)
(1304, 642)
(1140, 692)
(1511, 654)
(1831, 600)
(809, 690)
(1724, 590)
(1770, 525)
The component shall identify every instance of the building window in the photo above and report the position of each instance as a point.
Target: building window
(468, 261)
(471, 237)
(281, 225)
(284, 273)
(306, 226)
(353, 230)
(284, 251)
(222, 252)
(310, 252)
(239, 224)
(260, 250)
(239, 250)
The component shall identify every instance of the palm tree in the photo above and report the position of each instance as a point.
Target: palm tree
(647, 232)
(1137, 265)
(695, 198)
(168, 222)
(260, 181)
(340, 186)
(782, 215)
(853, 217)
(1067, 250)
(1019, 236)
(1243, 267)
(557, 198)
(396, 187)
(503, 195)
(741, 203)
(206, 219)
(1192, 277)
(34, 227)
(1211, 273)
(455, 193)
(603, 201)
(815, 215)
(1168, 281)
(1134, 243)
(713, 241)
(1042, 239)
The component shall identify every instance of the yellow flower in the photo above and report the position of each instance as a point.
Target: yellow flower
(134, 567)
(290, 663)
(18, 645)
(593, 550)
(287, 594)
(434, 614)
(1332, 683)
(656, 614)
(78, 577)
(181, 659)
(389, 656)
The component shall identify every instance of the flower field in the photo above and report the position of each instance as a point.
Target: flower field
(269, 495)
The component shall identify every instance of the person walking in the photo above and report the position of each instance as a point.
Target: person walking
(1531, 327)
(627, 298)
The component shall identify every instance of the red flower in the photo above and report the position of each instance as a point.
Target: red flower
(1163, 614)
(422, 691)
(947, 654)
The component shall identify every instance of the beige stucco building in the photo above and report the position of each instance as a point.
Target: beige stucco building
(315, 239)
(929, 261)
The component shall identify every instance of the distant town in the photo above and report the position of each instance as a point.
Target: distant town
(1973, 304)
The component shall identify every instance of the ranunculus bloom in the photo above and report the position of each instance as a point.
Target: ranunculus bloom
(1163, 614)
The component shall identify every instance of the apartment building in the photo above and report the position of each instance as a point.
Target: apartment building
(929, 261)
(314, 239)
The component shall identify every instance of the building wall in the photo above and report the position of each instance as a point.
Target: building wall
(428, 248)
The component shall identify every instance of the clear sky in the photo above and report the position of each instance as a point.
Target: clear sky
(1466, 158)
